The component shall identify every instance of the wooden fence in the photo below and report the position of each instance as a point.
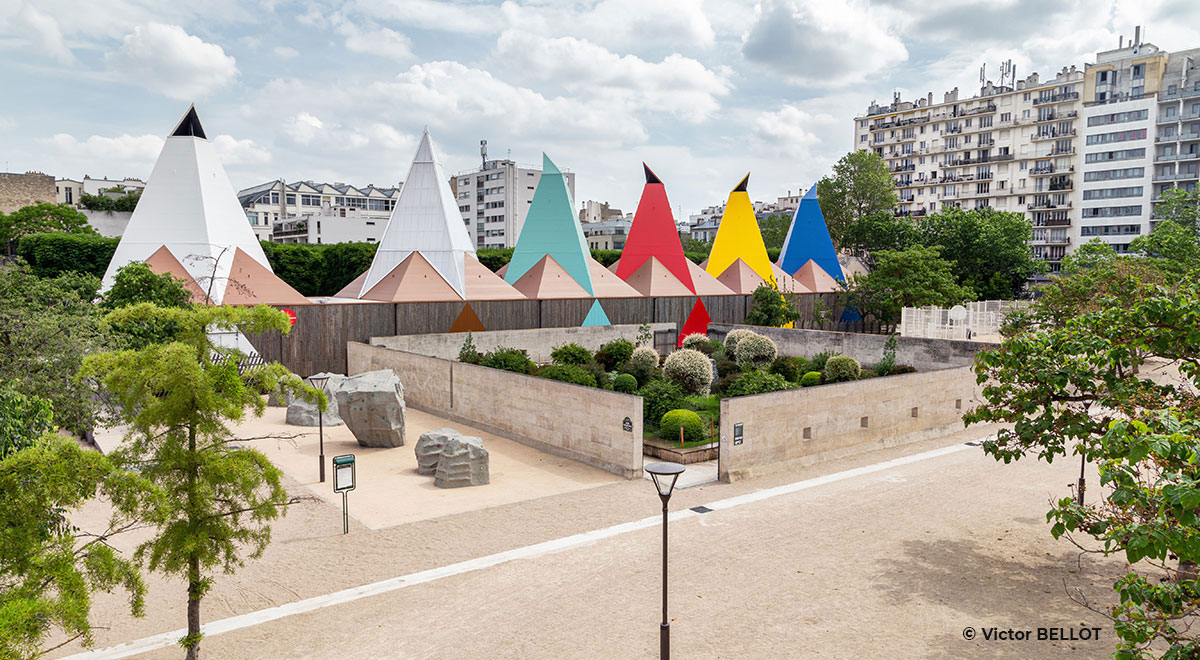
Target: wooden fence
(318, 340)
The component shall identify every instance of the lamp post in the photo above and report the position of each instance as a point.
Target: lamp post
(319, 383)
(1087, 408)
(665, 475)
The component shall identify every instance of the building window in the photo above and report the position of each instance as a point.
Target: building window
(291, 199)
(310, 200)
(1139, 71)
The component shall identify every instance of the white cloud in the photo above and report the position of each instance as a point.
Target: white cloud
(123, 148)
(285, 52)
(303, 128)
(634, 24)
(832, 44)
(168, 60)
(42, 32)
(383, 42)
(240, 152)
(678, 85)
(468, 18)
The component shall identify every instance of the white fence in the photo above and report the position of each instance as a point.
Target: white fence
(972, 321)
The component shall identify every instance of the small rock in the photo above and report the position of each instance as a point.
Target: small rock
(429, 448)
(301, 412)
(464, 462)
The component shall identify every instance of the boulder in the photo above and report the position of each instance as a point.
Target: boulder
(301, 412)
(372, 405)
(429, 448)
(463, 462)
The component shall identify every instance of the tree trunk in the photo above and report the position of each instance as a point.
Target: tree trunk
(1187, 571)
(193, 609)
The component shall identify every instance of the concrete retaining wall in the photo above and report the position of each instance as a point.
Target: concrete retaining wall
(922, 353)
(581, 423)
(537, 342)
(781, 430)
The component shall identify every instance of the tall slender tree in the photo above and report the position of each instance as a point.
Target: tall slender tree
(861, 185)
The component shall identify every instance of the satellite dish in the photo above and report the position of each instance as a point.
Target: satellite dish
(958, 313)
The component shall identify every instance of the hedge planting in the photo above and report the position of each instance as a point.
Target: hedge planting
(841, 368)
(52, 254)
(673, 420)
(568, 373)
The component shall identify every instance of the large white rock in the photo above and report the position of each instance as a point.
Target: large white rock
(372, 405)
(301, 412)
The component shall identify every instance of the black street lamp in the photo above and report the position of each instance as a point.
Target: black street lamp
(665, 475)
(1087, 408)
(319, 383)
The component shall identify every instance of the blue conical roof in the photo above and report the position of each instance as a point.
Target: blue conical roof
(808, 238)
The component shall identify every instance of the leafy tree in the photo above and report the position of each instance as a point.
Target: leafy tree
(50, 255)
(44, 217)
(990, 249)
(23, 419)
(135, 283)
(216, 500)
(1144, 435)
(1175, 244)
(46, 327)
(693, 246)
(49, 569)
(1181, 206)
(861, 185)
(768, 307)
(1092, 278)
(879, 231)
(774, 229)
(913, 277)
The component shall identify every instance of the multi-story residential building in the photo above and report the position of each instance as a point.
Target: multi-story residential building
(607, 234)
(1177, 135)
(495, 199)
(592, 211)
(1010, 147)
(70, 191)
(703, 225)
(310, 212)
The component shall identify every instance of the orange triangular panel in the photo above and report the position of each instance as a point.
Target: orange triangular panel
(546, 279)
(467, 321)
(654, 279)
(697, 322)
(654, 235)
(412, 280)
(816, 279)
(165, 263)
(483, 284)
(251, 283)
(706, 285)
(605, 283)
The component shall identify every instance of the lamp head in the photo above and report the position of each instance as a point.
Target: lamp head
(318, 381)
(664, 475)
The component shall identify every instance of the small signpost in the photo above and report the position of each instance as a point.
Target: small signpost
(737, 434)
(627, 424)
(343, 482)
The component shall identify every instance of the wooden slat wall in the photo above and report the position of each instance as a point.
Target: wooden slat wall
(318, 340)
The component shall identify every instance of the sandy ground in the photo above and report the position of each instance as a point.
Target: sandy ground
(390, 492)
(895, 563)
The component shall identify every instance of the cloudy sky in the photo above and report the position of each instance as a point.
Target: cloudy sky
(702, 90)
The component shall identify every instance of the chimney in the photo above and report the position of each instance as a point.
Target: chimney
(1137, 35)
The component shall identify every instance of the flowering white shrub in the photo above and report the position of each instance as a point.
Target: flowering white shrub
(755, 351)
(691, 369)
(734, 336)
(644, 357)
(695, 340)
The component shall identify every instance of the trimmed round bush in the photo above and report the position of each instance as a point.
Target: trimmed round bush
(658, 397)
(735, 336)
(614, 353)
(755, 351)
(673, 420)
(841, 368)
(789, 367)
(644, 357)
(810, 379)
(695, 340)
(756, 382)
(625, 383)
(515, 360)
(691, 369)
(568, 373)
(571, 354)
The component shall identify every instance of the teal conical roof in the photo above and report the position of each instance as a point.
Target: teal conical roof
(551, 229)
(596, 315)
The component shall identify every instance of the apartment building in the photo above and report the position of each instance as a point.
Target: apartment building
(70, 191)
(495, 199)
(310, 212)
(1177, 125)
(609, 234)
(1010, 147)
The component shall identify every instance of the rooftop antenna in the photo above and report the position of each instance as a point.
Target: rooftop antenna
(982, 74)
(483, 151)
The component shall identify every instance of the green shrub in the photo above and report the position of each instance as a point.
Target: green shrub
(756, 382)
(902, 369)
(625, 383)
(612, 354)
(659, 396)
(734, 336)
(49, 255)
(691, 369)
(494, 258)
(789, 367)
(468, 353)
(885, 364)
(603, 380)
(768, 307)
(571, 354)
(606, 257)
(640, 372)
(841, 368)
(755, 351)
(695, 341)
(644, 357)
(810, 379)
(316, 269)
(673, 420)
(568, 373)
(708, 407)
(817, 363)
(509, 359)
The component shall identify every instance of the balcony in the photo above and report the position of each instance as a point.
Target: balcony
(1163, 119)
(1069, 151)
(1184, 156)
(1053, 222)
(1052, 135)
(903, 168)
(1056, 116)
(1047, 206)
(1056, 98)
(914, 213)
(987, 143)
(1177, 176)
(1001, 157)
(1180, 94)
(1060, 187)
